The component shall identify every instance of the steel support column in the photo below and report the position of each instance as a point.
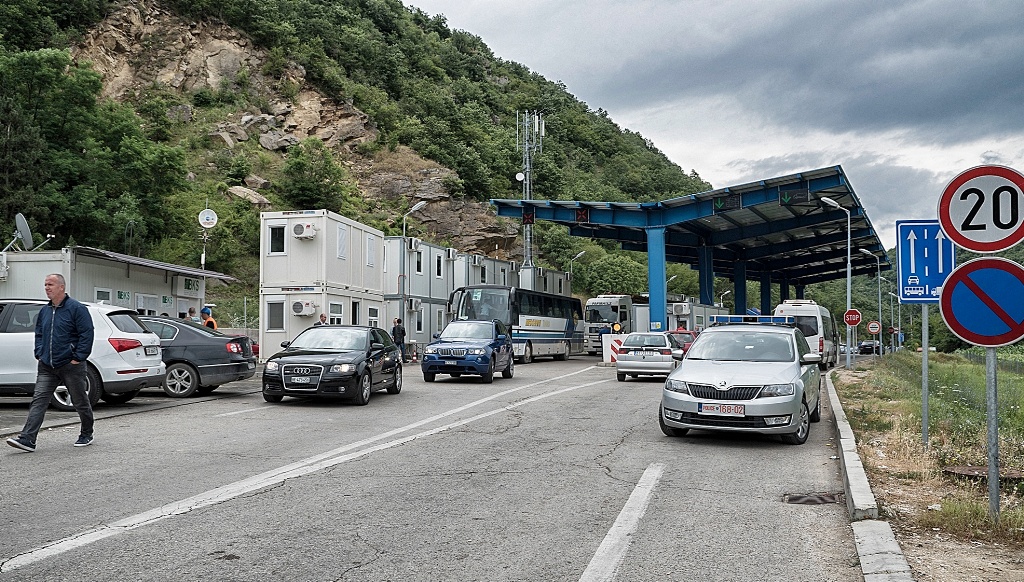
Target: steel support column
(799, 291)
(656, 277)
(705, 273)
(766, 292)
(739, 288)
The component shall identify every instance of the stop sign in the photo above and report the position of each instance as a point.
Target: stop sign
(874, 327)
(852, 317)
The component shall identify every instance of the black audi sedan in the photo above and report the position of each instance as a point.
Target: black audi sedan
(199, 359)
(334, 361)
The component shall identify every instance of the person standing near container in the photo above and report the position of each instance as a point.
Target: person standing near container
(64, 335)
(208, 319)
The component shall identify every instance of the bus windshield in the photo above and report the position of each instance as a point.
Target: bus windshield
(486, 304)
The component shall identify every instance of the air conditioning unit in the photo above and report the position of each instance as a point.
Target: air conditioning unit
(303, 308)
(476, 260)
(414, 244)
(451, 254)
(413, 304)
(680, 309)
(304, 230)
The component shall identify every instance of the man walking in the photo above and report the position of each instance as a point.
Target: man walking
(398, 334)
(64, 334)
(208, 319)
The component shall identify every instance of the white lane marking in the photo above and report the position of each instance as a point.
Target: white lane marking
(241, 411)
(611, 551)
(275, 476)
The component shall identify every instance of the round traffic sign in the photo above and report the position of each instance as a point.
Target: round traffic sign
(982, 209)
(852, 317)
(980, 302)
(874, 327)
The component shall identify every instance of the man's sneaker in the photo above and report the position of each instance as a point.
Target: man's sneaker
(83, 441)
(18, 443)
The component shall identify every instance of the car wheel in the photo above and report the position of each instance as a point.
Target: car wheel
(365, 387)
(488, 376)
(620, 377)
(670, 430)
(565, 353)
(429, 377)
(396, 386)
(204, 390)
(510, 369)
(527, 354)
(273, 397)
(61, 399)
(816, 413)
(120, 398)
(181, 381)
(803, 429)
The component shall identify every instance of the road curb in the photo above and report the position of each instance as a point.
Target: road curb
(881, 558)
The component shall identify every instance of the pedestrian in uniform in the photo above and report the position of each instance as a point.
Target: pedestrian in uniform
(398, 334)
(208, 319)
(64, 334)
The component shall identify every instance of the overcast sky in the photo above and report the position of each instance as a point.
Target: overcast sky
(903, 95)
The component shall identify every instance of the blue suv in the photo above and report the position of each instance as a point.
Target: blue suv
(469, 347)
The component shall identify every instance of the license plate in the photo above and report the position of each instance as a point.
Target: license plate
(300, 379)
(721, 409)
(451, 363)
(152, 350)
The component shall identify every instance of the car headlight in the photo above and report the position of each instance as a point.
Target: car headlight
(677, 386)
(271, 367)
(343, 368)
(778, 390)
(430, 350)
(476, 351)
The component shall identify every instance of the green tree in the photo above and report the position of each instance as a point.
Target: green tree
(312, 178)
(616, 274)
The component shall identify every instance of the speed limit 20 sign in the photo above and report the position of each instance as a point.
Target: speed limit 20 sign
(982, 209)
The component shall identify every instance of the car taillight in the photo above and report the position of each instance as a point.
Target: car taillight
(124, 344)
(665, 352)
(234, 347)
(821, 345)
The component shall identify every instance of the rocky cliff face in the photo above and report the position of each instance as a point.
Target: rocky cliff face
(141, 45)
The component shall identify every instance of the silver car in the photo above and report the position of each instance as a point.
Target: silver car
(751, 377)
(650, 354)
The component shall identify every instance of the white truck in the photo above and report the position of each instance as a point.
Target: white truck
(628, 313)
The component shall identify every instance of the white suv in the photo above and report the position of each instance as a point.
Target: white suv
(125, 355)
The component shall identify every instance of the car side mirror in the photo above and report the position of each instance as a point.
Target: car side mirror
(437, 336)
(285, 344)
(810, 358)
(376, 346)
(678, 354)
(501, 337)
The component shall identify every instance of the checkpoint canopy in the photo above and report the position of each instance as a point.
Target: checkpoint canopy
(774, 231)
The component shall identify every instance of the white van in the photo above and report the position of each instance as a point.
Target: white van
(818, 327)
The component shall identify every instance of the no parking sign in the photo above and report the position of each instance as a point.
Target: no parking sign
(981, 302)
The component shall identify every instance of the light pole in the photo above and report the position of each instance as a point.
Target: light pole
(402, 277)
(578, 255)
(721, 298)
(892, 321)
(878, 267)
(835, 204)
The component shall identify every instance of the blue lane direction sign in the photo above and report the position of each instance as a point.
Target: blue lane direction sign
(925, 257)
(981, 302)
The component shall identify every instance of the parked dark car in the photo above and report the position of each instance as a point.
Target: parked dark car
(869, 347)
(199, 359)
(334, 361)
(469, 347)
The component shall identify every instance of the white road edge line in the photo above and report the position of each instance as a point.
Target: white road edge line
(242, 411)
(276, 476)
(609, 554)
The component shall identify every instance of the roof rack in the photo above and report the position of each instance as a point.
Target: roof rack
(788, 320)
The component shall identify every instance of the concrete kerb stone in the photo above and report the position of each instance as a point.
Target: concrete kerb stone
(881, 558)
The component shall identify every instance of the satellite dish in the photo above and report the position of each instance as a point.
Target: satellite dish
(520, 176)
(22, 232)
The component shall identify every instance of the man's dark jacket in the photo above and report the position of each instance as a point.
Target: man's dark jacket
(63, 333)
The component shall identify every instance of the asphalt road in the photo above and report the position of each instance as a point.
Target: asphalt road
(560, 473)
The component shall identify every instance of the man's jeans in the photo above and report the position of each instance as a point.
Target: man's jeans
(47, 380)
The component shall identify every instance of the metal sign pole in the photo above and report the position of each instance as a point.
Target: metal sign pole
(924, 375)
(993, 434)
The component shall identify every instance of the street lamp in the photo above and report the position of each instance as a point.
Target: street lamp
(721, 298)
(835, 204)
(878, 266)
(578, 255)
(403, 279)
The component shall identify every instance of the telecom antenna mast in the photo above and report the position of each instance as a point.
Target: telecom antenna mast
(529, 139)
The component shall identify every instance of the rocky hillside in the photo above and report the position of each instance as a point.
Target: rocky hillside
(141, 46)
